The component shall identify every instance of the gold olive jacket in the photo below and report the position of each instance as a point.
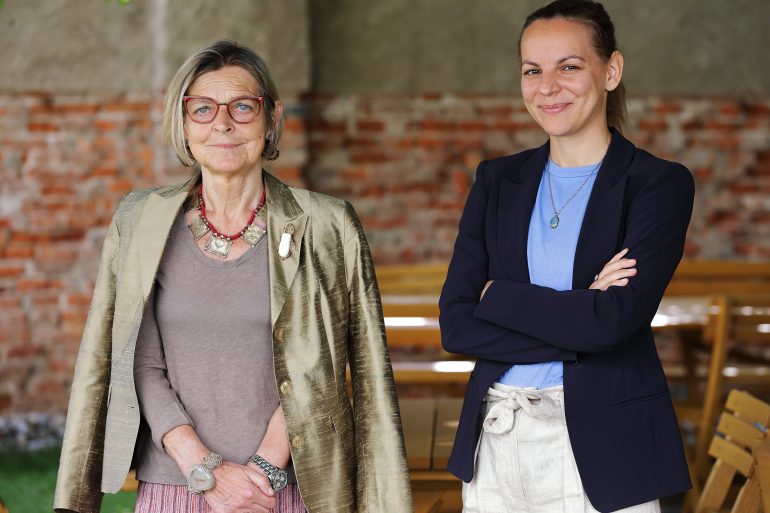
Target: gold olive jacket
(325, 312)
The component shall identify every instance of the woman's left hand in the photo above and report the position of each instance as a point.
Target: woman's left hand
(616, 272)
(240, 489)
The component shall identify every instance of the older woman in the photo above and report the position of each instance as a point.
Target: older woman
(225, 311)
(567, 409)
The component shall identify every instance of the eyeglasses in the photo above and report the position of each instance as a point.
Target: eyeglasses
(243, 109)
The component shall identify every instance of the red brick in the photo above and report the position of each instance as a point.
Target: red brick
(104, 171)
(26, 351)
(10, 272)
(106, 126)
(19, 250)
(668, 108)
(471, 126)
(437, 125)
(293, 125)
(117, 106)
(42, 127)
(370, 126)
(653, 125)
(368, 158)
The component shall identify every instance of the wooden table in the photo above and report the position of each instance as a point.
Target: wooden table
(685, 315)
(413, 320)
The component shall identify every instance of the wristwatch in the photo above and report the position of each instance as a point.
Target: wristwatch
(278, 477)
(200, 478)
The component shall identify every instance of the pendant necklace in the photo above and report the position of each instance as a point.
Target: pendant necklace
(555, 219)
(218, 243)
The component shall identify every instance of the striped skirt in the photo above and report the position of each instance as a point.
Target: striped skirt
(164, 498)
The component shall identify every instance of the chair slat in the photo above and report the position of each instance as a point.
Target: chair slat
(748, 407)
(739, 431)
(733, 455)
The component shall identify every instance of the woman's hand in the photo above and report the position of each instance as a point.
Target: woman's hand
(275, 446)
(237, 488)
(615, 273)
(240, 489)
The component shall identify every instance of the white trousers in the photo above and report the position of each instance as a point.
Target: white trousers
(524, 461)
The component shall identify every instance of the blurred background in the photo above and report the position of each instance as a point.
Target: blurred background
(390, 105)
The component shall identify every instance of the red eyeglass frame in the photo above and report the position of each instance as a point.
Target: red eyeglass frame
(260, 100)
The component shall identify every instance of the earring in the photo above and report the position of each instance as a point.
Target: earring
(273, 154)
(189, 154)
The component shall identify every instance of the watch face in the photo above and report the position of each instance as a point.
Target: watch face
(279, 480)
(201, 478)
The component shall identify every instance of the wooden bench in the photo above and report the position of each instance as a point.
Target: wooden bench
(425, 278)
(710, 277)
(692, 278)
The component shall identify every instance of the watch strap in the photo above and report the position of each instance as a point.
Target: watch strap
(276, 475)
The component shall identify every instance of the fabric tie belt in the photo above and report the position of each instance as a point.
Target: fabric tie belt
(499, 418)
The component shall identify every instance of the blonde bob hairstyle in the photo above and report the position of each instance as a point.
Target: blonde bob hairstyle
(216, 56)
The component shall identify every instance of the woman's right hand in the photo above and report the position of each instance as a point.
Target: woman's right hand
(240, 489)
(616, 272)
(237, 488)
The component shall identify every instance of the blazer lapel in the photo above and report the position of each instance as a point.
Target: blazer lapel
(517, 199)
(153, 229)
(284, 215)
(602, 230)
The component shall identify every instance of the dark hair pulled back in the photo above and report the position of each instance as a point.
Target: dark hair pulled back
(593, 15)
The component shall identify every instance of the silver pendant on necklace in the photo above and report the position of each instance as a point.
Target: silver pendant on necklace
(554, 221)
(217, 246)
(198, 228)
(253, 234)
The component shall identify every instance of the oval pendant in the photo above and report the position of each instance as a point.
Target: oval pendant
(554, 221)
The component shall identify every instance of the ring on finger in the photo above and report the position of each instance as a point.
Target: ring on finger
(596, 277)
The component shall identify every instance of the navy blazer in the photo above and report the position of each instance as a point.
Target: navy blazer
(620, 419)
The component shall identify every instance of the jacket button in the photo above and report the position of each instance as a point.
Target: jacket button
(285, 387)
(278, 334)
(297, 442)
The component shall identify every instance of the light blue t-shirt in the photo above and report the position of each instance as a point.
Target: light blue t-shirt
(551, 253)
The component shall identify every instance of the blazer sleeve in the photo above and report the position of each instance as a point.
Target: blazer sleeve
(78, 485)
(591, 321)
(461, 330)
(382, 475)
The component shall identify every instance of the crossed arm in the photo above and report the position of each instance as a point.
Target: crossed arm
(512, 322)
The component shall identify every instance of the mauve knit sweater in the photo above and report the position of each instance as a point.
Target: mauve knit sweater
(204, 355)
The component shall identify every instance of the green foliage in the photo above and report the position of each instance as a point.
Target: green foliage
(28, 480)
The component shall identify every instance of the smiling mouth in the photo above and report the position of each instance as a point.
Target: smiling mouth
(555, 108)
(225, 146)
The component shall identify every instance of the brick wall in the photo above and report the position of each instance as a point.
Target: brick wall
(405, 162)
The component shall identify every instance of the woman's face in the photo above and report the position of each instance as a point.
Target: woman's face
(224, 146)
(564, 81)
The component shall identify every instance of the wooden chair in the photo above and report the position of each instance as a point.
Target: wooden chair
(741, 433)
(738, 324)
